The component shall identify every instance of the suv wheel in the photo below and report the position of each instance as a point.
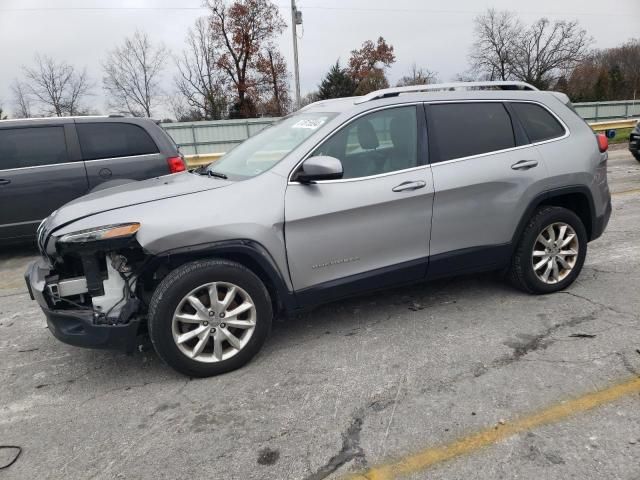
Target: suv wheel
(209, 317)
(551, 251)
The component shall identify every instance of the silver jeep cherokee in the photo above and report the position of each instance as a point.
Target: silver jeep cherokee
(344, 196)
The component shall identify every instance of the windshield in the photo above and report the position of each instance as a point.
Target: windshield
(262, 151)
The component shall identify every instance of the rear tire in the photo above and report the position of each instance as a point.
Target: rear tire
(209, 317)
(550, 253)
(637, 156)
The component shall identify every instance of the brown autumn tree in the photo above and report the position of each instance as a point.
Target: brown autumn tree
(242, 30)
(608, 74)
(367, 65)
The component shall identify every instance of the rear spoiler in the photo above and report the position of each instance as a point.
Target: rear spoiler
(562, 97)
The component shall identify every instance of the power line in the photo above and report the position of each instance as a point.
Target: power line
(314, 7)
(54, 9)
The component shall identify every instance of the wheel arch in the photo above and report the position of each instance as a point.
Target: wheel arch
(250, 254)
(577, 198)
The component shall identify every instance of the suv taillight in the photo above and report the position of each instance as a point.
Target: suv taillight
(176, 164)
(603, 142)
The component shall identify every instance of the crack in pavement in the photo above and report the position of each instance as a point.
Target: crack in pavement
(351, 449)
(627, 364)
(601, 305)
(531, 344)
(540, 341)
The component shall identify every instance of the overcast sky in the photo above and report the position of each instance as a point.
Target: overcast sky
(435, 35)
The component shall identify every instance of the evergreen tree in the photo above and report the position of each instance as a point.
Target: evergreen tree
(616, 83)
(336, 84)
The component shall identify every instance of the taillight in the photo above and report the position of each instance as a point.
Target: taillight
(176, 164)
(603, 142)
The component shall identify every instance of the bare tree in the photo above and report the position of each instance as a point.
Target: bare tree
(628, 58)
(539, 54)
(418, 76)
(182, 111)
(199, 80)
(547, 50)
(275, 80)
(496, 36)
(21, 100)
(241, 30)
(132, 75)
(309, 98)
(57, 87)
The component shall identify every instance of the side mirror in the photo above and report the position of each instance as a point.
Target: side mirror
(319, 168)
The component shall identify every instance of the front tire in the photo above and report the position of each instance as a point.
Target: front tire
(551, 251)
(209, 317)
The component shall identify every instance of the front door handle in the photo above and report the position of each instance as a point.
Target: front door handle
(524, 164)
(4, 181)
(404, 186)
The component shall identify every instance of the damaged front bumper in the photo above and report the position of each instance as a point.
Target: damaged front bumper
(78, 327)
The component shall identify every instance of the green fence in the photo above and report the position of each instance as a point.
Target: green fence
(197, 138)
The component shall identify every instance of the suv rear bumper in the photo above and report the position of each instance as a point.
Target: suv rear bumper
(600, 223)
(77, 327)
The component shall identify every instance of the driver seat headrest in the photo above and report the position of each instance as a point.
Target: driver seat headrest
(367, 135)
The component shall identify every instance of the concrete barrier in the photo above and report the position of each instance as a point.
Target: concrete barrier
(194, 161)
(613, 124)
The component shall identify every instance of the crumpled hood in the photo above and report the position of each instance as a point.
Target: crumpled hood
(133, 193)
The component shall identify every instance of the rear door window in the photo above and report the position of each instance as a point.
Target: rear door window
(111, 140)
(539, 124)
(458, 130)
(30, 147)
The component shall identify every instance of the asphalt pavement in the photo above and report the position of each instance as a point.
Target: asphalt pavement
(355, 384)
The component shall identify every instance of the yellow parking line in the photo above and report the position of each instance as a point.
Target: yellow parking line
(431, 456)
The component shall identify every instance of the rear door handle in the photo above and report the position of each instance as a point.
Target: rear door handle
(524, 164)
(4, 181)
(404, 186)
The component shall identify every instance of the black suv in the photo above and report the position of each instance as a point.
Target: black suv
(634, 142)
(47, 162)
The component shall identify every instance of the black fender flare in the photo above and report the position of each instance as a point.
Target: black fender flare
(261, 263)
(548, 195)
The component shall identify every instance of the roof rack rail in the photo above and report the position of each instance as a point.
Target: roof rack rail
(439, 87)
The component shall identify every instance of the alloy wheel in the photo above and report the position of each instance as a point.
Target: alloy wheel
(555, 252)
(214, 322)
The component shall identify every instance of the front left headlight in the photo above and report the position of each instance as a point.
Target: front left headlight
(106, 232)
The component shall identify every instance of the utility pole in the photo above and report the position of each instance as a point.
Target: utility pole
(296, 19)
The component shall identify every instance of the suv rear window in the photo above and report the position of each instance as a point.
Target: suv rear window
(459, 130)
(29, 147)
(538, 122)
(110, 140)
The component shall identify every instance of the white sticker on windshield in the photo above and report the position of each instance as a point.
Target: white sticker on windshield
(310, 123)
